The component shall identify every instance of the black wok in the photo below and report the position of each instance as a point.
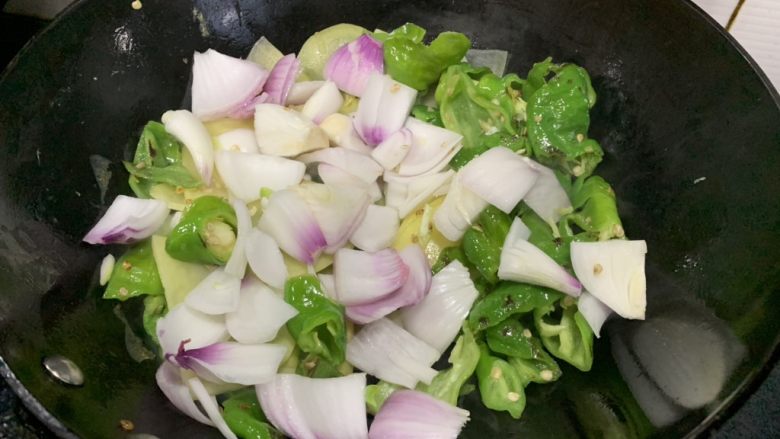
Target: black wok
(678, 101)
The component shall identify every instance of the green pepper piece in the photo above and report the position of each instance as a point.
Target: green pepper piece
(499, 384)
(482, 243)
(409, 31)
(243, 415)
(447, 384)
(510, 338)
(319, 327)
(427, 114)
(570, 338)
(542, 368)
(508, 299)
(155, 308)
(135, 274)
(377, 394)
(314, 366)
(448, 255)
(205, 234)
(595, 208)
(542, 236)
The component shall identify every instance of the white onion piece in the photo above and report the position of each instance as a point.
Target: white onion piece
(393, 149)
(351, 65)
(458, 210)
(334, 175)
(169, 381)
(518, 231)
(432, 148)
(265, 258)
(493, 59)
(522, 261)
(383, 108)
(285, 132)
(128, 220)
(377, 230)
(390, 353)
(236, 264)
(338, 210)
(193, 134)
(221, 83)
(240, 140)
(363, 277)
(184, 323)
(281, 79)
(231, 362)
(316, 408)
(210, 406)
(302, 91)
(245, 174)
(614, 272)
(260, 314)
(264, 54)
(357, 164)
(289, 221)
(547, 197)
(409, 414)
(500, 177)
(410, 293)
(217, 294)
(438, 318)
(594, 312)
(106, 269)
(407, 193)
(324, 102)
(328, 284)
(341, 132)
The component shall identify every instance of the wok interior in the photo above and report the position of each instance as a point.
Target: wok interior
(677, 103)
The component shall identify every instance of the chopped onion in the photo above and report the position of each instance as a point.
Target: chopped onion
(357, 164)
(246, 174)
(325, 101)
(236, 264)
(409, 414)
(128, 220)
(547, 197)
(438, 318)
(338, 210)
(285, 132)
(328, 284)
(240, 140)
(260, 314)
(432, 148)
(281, 79)
(407, 193)
(377, 230)
(247, 108)
(522, 261)
(387, 351)
(264, 54)
(221, 83)
(341, 132)
(352, 64)
(266, 259)
(231, 362)
(195, 137)
(518, 231)
(410, 293)
(334, 175)
(594, 312)
(106, 269)
(289, 221)
(363, 277)
(302, 91)
(493, 59)
(458, 210)
(614, 272)
(183, 323)
(314, 408)
(211, 407)
(217, 294)
(169, 381)
(500, 177)
(393, 149)
(383, 108)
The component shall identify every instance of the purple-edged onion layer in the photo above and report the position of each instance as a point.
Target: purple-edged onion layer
(341, 132)
(222, 84)
(458, 210)
(260, 313)
(217, 294)
(522, 261)
(409, 414)
(363, 277)
(289, 221)
(594, 312)
(230, 362)
(357, 164)
(195, 137)
(410, 293)
(169, 381)
(393, 149)
(311, 408)
(183, 323)
(388, 352)
(325, 101)
(266, 259)
(128, 220)
(432, 148)
(438, 318)
(281, 79)
(547, 197)
(352, 64)
(500, 177)
(338, 210)
(383, 108)
(377, 230)
(284, 132)
(245, 174)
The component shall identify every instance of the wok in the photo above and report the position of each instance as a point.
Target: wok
(690, 127)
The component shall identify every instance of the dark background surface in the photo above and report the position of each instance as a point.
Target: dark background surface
(760, 416)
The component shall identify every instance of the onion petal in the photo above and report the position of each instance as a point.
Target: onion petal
(547, 197)
(338, 210)
(266, 259)
(333, 175)
(328, 283)
(383, 108)
(183, 323)
(211, 407)
(409, 414)
(432, 148)
(362, 277)
(408, 193)
(240, 139)
(195, 137)
(341, 132)
(169, 381)
(352, 64)
(325, 101)
(246, 174)
(231, 362)
(128, 220)
(260, 314)
(289, 221)
(281, 79)
(594, 312)
(357, 164)
(302, 91)
(217, 294)
(500, 177)
(377, 230)
(392, 151)
(458, 210)
(285, 132)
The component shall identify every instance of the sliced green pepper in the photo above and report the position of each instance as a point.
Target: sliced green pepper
(570, 338)
(314, 366)
(447, 384)
(155, 308)
(595, 209)
(500, 386)
(508, 299)
(206, 232)
(243, 415)
(448, 255)
(427, 114)
(409, 31)
(377, 394)
(135, 274)
(482, 243)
